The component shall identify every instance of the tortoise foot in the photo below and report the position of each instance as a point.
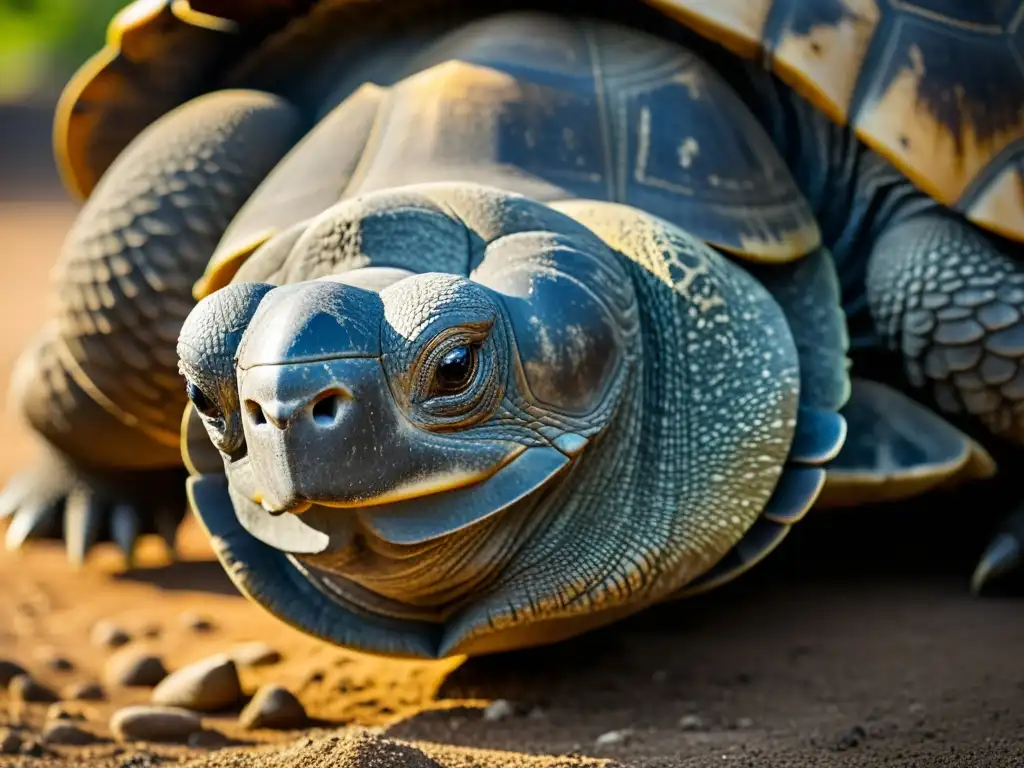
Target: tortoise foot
(57, 500)
(1001, 567)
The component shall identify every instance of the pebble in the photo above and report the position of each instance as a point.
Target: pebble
(8, 671)
(84, 692)
(256, 654)
(195, 622)
(206, 686)
(61, 712)
(499, 709)
(134, 667)
(59, 664)
(106, 634)
(32, 748)
(851, 739)
(64, 732)
(207, 739)
(145, 723)
(25, 688)
(691, 722)
(744, 723)
(140, 760)
(10, 742)
(273, 707)
(614, 738)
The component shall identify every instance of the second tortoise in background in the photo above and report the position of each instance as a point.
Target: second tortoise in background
(700, 145)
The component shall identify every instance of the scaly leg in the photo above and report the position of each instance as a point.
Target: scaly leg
(951, 299)
(100, 385)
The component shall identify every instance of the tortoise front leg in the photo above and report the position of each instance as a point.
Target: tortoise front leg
(951, 300)
(100, 385)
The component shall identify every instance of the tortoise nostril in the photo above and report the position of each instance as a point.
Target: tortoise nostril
(325, 411)
(256, 413)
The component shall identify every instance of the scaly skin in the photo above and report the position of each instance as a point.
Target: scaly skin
(100, 387)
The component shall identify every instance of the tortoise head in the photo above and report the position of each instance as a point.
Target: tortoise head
(489, 455)
(408, 409)
(384, 415)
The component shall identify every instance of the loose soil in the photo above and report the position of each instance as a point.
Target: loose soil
(857, 644)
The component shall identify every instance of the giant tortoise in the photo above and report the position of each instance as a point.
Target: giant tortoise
(513, 322)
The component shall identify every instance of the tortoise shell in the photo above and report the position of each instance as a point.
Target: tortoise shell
(935, 86)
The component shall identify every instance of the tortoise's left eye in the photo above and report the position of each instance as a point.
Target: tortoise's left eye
(202, 403)
(455, 371)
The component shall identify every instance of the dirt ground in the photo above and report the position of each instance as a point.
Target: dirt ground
(855, 645)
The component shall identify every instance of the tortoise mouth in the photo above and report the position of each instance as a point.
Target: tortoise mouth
(316, 527)
(270, 578)
(413, 491)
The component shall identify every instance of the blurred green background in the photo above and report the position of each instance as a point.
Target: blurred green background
(42, 43)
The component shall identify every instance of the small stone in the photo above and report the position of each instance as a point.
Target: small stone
(10, 742)
(32, 748)
(273, 707)
(25, 688)
(916, 708)
(106, 634)
(140, 760)
(144, 723)
(134, 667)
(84, 692)
(744, 722)
(207, 739)
(852, 738)
(8, 671)
(499, 709)
(691, 723)
(60, 712)
(195, 622)
(659, 676)
(59, 664)
(64, 732)
(614, 738)
(256, 654)
(206, 686)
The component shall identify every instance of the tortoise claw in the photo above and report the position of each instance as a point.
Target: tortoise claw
(125, 529)
(32, 520)
(1004, 556)
(13, 495)
(83, 519)
(60, 501)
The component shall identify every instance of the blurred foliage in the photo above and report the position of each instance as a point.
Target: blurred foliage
(42, 42)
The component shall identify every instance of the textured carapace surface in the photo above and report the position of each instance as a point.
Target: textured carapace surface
(891, 69)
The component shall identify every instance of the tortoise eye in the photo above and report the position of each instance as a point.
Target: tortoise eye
(202, 403)
(455, 371)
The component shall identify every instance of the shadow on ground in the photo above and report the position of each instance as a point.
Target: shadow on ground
(857, 640)
(185, 576)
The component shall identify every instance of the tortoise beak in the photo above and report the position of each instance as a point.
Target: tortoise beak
(327, 444)
(328, 447)
(329, 432)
